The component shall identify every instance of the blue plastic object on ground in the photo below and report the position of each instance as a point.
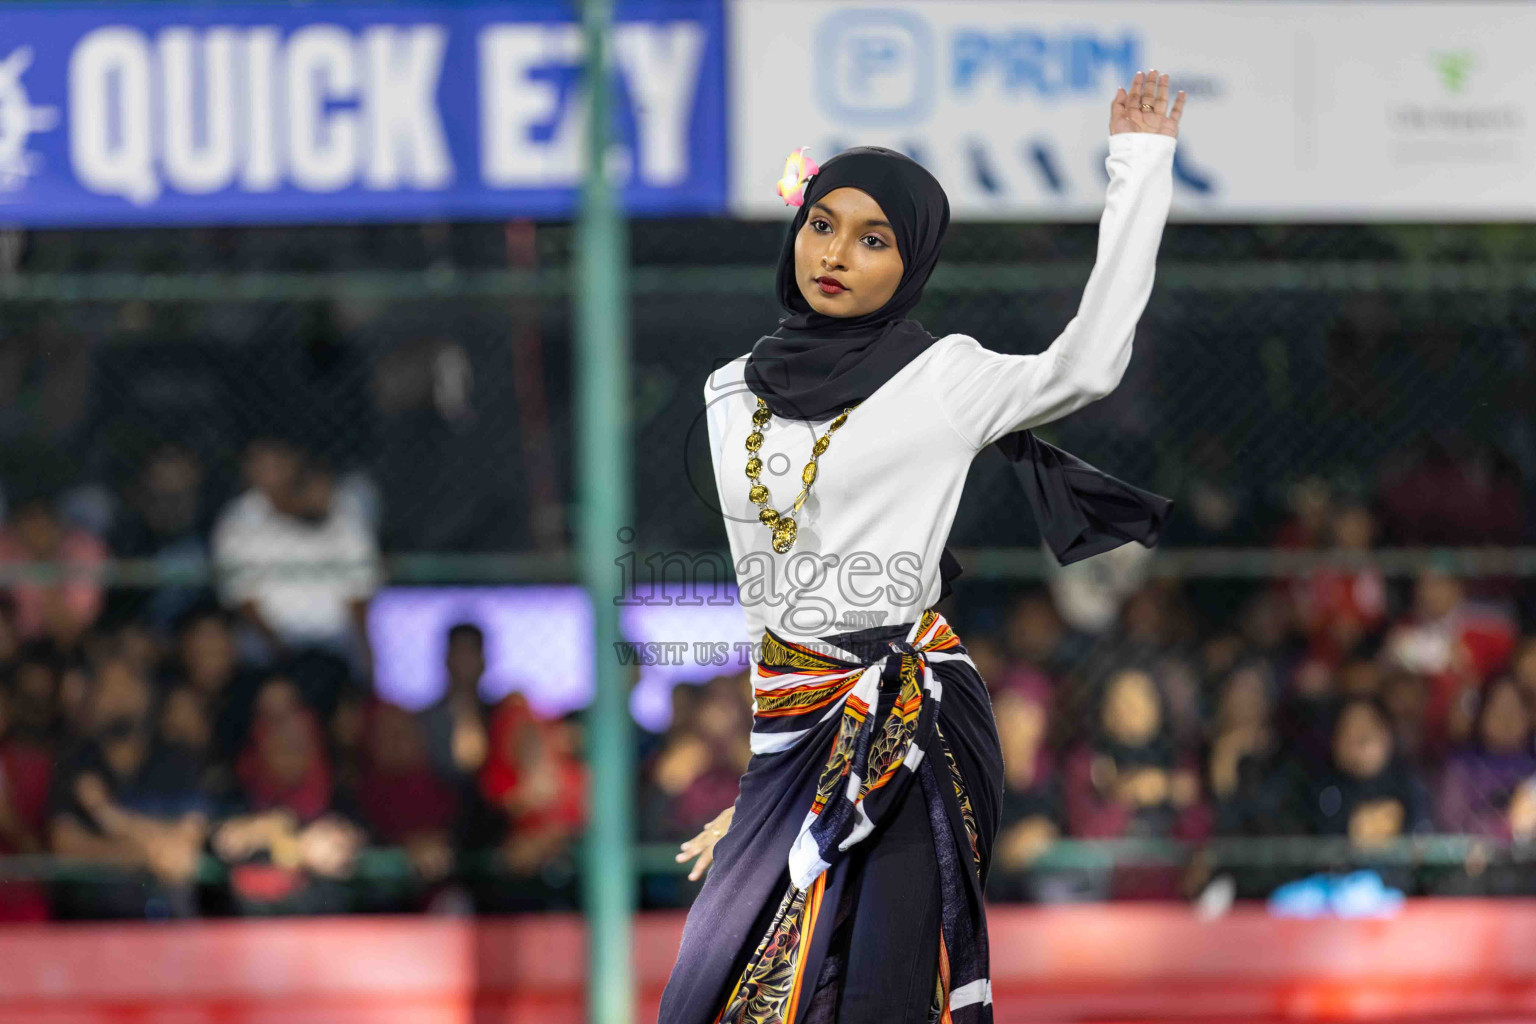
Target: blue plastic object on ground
(1358, 894)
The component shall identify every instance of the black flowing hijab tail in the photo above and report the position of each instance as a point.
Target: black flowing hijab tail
(815, 365)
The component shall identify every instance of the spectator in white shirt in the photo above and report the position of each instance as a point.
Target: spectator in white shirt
(297, 564)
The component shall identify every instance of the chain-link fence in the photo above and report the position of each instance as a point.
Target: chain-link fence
(252, 477)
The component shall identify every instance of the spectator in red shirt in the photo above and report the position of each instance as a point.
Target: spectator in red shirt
(1455, 644)
(290, 839)
(1338, 607)
(400, 798)
(26, 773)
(1311, 504)
(534, 775)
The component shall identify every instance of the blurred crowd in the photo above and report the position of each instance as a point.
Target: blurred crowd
(1333, 703)
(183, 750)
(1336, 705)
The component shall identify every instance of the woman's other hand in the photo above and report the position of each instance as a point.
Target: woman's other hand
(1126, 115)
(703, 844)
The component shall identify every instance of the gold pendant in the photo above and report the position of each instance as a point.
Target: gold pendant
(783, 526)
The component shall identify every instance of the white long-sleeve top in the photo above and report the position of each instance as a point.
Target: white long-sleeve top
(879, 513)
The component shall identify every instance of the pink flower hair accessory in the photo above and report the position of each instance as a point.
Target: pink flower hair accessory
(799, 169)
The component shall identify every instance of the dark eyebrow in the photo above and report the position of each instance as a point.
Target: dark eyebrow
(818, 205)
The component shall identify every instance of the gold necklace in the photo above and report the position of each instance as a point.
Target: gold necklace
(783, 523)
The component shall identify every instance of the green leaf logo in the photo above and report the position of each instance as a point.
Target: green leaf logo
(1453, 66)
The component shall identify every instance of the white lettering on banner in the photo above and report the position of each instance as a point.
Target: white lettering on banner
(197, 110)
(403, 126)
(322, 144)
(662, 68)
(109, 123)
(193, 165)
(660, 64)
(261, 171)
(512, 103)
(204, 109)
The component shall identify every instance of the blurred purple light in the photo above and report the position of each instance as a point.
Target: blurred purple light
(538, 641)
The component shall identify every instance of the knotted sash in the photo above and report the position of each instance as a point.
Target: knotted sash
(871, 764)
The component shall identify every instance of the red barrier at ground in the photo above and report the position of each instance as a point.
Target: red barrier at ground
(1437, 960)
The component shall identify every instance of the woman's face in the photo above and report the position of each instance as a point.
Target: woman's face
(287, 751)
(184, 719)
(278, 699)
(1505, 722)
(1354, 528)
(38, 530)
(1362, 744)
(1245, 701)
(718, 720)
(1033, 629)
(1132, 713)
(208, 652)
(1020, 730)
(1436, 593)
(847, 237)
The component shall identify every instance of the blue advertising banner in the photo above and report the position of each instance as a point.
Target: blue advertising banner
(167, 114)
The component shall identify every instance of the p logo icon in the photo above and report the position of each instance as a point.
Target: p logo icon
(877, 67)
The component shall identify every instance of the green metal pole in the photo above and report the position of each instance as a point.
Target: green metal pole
(603, 374)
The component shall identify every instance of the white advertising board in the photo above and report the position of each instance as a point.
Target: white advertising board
(1297, 110)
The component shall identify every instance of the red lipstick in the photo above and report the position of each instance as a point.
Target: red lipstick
(830, 285)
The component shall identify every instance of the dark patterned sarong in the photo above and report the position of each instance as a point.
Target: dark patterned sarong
(842, 732)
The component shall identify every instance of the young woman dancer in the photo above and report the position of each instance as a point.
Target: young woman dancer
(847, 878)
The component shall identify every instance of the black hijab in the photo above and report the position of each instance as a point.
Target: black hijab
(814, 365)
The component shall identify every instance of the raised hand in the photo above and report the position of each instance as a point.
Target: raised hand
(1126, 113)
